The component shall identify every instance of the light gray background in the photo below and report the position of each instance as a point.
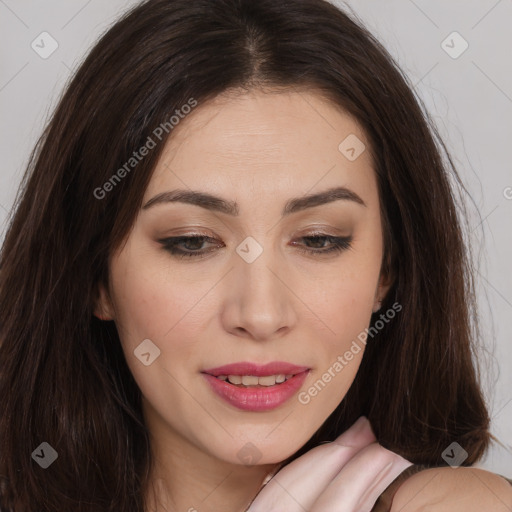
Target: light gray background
(470, 98)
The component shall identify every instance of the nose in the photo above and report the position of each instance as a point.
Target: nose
(259, 302)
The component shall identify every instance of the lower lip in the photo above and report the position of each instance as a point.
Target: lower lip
(255, 398)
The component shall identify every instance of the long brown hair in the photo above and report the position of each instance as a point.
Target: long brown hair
(63, 376)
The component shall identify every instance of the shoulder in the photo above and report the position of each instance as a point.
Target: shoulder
(464, 489)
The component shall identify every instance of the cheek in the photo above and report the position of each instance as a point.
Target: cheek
(344, 298)
(346, 311)
(142, 306)
(147, 301)
(345, 305)
(150, 307)
(153, 302)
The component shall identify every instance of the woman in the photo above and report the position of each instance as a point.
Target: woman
(235, 239)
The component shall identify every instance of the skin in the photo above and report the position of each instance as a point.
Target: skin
(208, 311)
(459, 489)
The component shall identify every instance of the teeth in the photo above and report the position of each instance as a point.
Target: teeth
(249, 380)
(269, 380)
(252, 380)
(235, 379)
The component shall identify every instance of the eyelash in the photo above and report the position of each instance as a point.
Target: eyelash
(339, 244)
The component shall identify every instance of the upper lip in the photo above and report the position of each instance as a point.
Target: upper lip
(247, 368)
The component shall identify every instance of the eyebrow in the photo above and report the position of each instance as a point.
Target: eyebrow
(218, 204)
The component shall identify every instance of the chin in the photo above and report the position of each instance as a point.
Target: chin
(259, 450)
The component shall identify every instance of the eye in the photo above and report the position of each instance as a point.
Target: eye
(337, 244)
(192, 246)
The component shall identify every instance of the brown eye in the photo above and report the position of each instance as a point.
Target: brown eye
(337, 244)
(192, 245)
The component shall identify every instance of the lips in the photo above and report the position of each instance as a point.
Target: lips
(256, 398)
(247, 368)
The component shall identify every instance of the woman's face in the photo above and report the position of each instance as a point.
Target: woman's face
(256, 289)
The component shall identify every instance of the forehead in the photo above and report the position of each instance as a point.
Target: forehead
(256, 143)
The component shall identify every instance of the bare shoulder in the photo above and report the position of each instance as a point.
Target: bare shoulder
(464, 489)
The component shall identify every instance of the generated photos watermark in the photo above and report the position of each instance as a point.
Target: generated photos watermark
(137, 156)
(305, 397)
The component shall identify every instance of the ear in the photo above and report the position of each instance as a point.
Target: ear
(385, 282)
(103, 308)
(387, 277)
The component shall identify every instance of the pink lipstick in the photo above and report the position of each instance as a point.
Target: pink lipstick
(251, 387)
